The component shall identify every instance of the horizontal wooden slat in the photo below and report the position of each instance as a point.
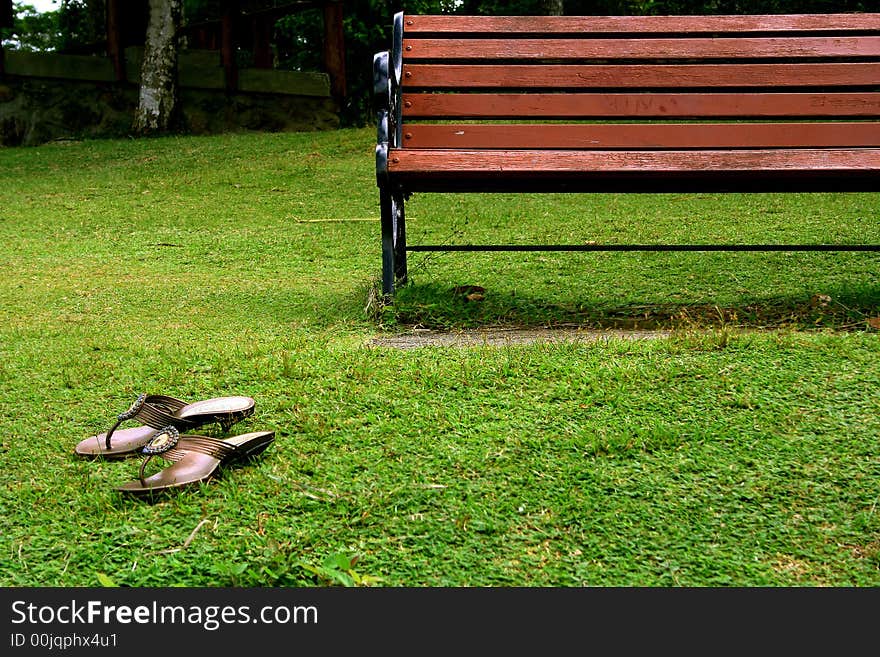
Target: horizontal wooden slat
(483, 162)
(575, 76)
(639, 105)
(643, 24)
(661, 48)
(640, 135)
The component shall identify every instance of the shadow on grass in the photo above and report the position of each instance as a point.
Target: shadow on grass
(435, 307)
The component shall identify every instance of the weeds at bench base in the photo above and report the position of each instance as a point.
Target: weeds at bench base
(437, 307)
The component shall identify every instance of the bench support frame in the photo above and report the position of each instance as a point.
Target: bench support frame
(387, 72)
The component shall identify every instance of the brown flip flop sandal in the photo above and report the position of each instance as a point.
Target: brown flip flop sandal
(158, 411)
(194, 458)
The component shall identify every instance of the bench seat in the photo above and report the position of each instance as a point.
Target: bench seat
(624, 104)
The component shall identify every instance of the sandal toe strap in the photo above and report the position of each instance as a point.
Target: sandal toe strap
(162, 441)
(156, 411)
(172, 446)
(134, 409)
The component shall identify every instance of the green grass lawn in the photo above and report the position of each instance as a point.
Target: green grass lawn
(742, 450)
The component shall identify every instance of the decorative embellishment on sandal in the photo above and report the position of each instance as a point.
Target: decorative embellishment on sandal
(134, 409)
(162, 441)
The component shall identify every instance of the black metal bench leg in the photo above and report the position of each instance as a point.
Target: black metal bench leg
(399, 233)
(387, 220)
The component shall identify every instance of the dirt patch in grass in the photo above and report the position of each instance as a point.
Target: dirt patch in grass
(504, 336)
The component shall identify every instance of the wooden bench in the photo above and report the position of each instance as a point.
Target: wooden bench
(751, 103)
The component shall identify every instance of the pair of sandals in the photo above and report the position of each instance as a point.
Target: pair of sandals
(194, 458)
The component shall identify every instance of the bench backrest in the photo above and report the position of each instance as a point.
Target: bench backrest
(637, 83)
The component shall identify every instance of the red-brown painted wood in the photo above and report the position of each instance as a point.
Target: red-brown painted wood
(640, 135)
(334, 48)
(456, 76)
(730, 67)
(642, 105)
(642, 48)
(642, 24)
(481, 162)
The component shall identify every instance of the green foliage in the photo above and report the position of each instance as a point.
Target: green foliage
(338, 570)
(83, 26)
(77, 26)
(298, 41)
(32, 30)
(200, 10)
(497, 8)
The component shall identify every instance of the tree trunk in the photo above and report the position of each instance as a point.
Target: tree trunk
(553, 7)
(7, 15)
(157, 103)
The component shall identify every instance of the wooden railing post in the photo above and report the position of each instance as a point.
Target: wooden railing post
(229, 43)
(115, 49)
(7, 16)
(7, 19)
(262, 37)
(334, 48)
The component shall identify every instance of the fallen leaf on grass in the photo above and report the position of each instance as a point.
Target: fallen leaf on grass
(874, 322)
(466, 290)
(105, 580)
(470, 292)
